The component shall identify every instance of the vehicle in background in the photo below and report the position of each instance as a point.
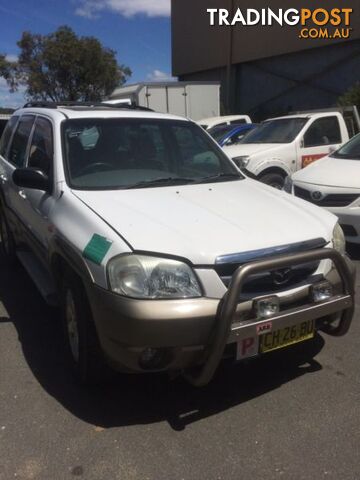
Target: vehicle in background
(231, 134)
(192, 100)
(79, 186)
(281, 146)
(207, 123)
(334, 183)
(119, 102)
(4, 117)
(350, 115)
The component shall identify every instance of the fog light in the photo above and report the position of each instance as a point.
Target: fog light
(267, 307)
(154, 358)
(321, 291)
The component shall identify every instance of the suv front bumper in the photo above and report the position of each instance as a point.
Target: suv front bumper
(196, 331)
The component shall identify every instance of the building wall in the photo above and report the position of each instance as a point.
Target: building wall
(197, 46)
(299, 81)
(303, 80)
(271, 70)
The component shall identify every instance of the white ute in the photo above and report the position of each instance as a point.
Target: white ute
(208, 123)
(281, 146)
(162, 255)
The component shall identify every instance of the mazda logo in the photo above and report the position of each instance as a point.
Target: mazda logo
(317, 196)
(282, 277)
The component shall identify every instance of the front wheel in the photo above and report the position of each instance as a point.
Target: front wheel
(81, 341)
(275, 180)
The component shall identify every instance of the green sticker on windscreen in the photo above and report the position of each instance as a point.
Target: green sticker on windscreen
(96, 249)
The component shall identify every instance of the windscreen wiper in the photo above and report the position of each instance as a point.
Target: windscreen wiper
(220, 177)
(162, 181)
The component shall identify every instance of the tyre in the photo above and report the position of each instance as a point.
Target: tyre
(82, 346)
(7, 246)
(275, 180)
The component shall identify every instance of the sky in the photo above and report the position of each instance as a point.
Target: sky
(139, 31)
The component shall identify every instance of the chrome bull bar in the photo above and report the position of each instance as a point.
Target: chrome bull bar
(227, 307)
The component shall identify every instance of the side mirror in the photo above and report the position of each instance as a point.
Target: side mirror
(31, 178)
(238, 162)
(302, 143)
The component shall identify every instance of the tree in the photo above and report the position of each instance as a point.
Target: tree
(5, 68)
(3, 65)
(62, 66)
(351, 97)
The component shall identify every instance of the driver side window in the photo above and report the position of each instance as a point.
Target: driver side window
(42, 147)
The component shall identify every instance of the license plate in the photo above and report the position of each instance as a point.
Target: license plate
(287, 336)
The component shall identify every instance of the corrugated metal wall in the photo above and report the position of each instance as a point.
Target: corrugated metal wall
(297, 81)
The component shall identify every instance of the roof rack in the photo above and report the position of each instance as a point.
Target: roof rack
(55, 105)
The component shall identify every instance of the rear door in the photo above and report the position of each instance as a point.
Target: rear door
(322, 137)
(156, 99)
(177, 101)
(15, 158)
(5, 169)
(200, 101)
(36, 204)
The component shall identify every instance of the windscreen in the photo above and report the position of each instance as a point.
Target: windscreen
(350, 150)
(125, 153)
(276, 131)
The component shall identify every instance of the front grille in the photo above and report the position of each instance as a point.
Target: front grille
(349, 230)
(267, 283)
(331, 200)
(272, 281)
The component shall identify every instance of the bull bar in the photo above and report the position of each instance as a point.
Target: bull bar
(229, 303)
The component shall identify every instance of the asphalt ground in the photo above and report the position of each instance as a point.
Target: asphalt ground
(290, 415)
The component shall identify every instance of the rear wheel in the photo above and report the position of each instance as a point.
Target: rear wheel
(81, 341)
(275, 180)
(7, 246)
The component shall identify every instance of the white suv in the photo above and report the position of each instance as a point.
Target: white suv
(162, 255)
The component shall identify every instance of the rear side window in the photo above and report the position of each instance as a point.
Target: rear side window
(41, 149)
(324, 131)
(20, 141)
(7, 134)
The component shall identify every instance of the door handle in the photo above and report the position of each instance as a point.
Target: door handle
(22, 194)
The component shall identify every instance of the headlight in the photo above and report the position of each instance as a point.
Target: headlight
(241, 162)
(288, 185)
(144, 277)
(339, 242)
